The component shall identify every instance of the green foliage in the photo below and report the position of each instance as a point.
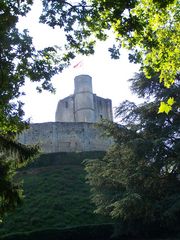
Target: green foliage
(166, 107)
(19, 60)
(13, 155)
(137, 182)
(56, 195)
(150, 29)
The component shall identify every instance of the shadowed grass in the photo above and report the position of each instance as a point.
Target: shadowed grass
(56, 195)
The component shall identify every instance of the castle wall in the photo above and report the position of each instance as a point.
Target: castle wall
(65, 110)
(65, 137)
(103, 108)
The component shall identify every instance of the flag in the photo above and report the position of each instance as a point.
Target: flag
(78, 65)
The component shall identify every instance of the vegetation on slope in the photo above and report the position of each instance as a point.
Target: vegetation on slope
(137, 182)
(56, 195)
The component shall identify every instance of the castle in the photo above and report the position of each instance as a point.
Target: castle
(74, 128)
(83, 105)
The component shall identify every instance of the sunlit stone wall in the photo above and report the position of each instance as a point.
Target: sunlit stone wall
(66, 137)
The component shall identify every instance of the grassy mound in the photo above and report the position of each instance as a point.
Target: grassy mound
(56, 195)
(88, 232)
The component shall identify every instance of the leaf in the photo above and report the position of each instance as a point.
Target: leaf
(164, 107)
(170, 101)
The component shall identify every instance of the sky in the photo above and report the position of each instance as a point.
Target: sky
(109, 77)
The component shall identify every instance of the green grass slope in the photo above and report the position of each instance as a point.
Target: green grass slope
(56, 195)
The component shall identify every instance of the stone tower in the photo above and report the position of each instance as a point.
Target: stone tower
(83, 99)
(74, 129)
(83, 105)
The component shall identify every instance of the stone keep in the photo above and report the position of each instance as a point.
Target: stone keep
(83, 105)
(75, 128)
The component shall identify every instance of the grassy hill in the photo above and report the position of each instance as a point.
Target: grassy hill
(56, 195)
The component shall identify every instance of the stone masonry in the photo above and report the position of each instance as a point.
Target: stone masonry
(83, 105)
(75, 128)
(66, 137)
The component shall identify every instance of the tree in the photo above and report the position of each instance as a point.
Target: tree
(19, 60)
(137, 182)
(150, 29)
(13, 156)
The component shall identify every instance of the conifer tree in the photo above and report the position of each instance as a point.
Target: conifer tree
(137, 182)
